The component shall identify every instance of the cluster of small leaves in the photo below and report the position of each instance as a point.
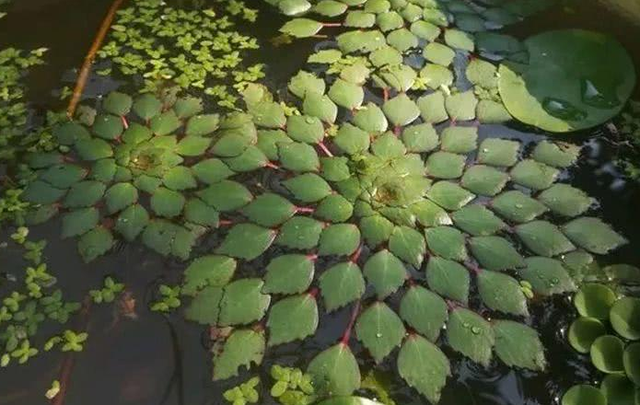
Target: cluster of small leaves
(13, 109)
(69, 341)
(24, 311)
(608, 329)
(12, 208)
(168, 300)
(108, 292)
(244, 393)
(291, 386)
(196, 50)
(629, 129)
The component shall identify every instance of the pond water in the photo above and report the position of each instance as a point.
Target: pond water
(161, 360)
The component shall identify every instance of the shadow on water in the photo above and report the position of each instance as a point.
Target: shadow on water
(157, 360)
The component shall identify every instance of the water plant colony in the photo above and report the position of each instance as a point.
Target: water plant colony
(364, 186)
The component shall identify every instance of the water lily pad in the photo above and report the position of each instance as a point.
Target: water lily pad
(606, 354)
(565, 87)
(361, 41)
(583, 332)
(630, 360)
(147, 106)
(618, 390)
(201, 125)
(294, 7)
(325, 56)
(584, 395)
(594, 300)
(352, 139)
(624, 317)
(321, 106)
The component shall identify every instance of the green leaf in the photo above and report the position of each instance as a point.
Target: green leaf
(498, 152)
(246, 241)
(360, 41)
(211, 171)
(624, 317)
(389, 20)
(208, 271)
(593, 235)
(341, 284)
(359, 19)
(515, 206)
(401, 110)
(606, 354)
(243, 302)
(339, 240)
(188, 106)
(268, 140)
(289, 274)
(325, 56)
(564, 87)
(305, 129)
(334, 208)
(477, 220)
(304, 84)
(618, 389)
(63, 175)
(547, 276)
(370, 119)
(425, 30)
(446, 242)
(557, 154)
(399, 77)
(294, 7)
(117, 103)
(449, 195)
(543, 238)
(147, 106)
(469, 334)
(462, 106)
(242, 348)
(424, 367)
(329, 8)
(132, 221)
(420, 138)
(459, 39)
(298, 157)
(429, 214)
(226, 195)
(167, 203)
(518, 345)
(308, 187)
(93, 149)
(351, 139)
(448, 278)
(268, 114)
(482, 73)
(108, 126)
(79, 221)
(301, 27)
(402, 39)
(300, 233)
(120, 196)
(179, 178)
(136, 134)
(583, 395)
(457, 139)
(531, 174)
(385, 272)
(408, 244)
(495, 253)
(445, 165)
(269, 210)
(630, 360)
(380, 330)
(84, 194)
(436, 76)
(193, 146)
(424, 311)
(438, 53)
(376, 229)
(385, 56)
(335, 168)
(432, 108)
(95, 243)
(501, 292)
(321, 106)
(165, 123)
(565, 200)
(595, 301)
(345, 94)
(292, 318)
(205, 306)
(583, 332)
(70, 133)
(335, 371)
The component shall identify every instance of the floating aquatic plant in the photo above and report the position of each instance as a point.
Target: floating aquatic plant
(157, 43)
(607, 330)
(562, 93)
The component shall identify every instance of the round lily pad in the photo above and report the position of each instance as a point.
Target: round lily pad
(584, 395)
(625, 317)
(594, 300)
(583, 332)
(566, 86)
(606, 354)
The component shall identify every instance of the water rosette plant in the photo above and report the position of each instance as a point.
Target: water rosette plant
(608, 329)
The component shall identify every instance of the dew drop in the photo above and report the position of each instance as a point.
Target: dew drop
(595, 98)
(476, 330)
(378, 335)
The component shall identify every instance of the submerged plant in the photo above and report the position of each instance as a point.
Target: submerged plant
(607, 330)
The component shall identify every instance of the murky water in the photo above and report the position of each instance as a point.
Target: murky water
(156, 360)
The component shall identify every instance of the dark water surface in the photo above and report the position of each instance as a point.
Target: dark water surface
(155, 360)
